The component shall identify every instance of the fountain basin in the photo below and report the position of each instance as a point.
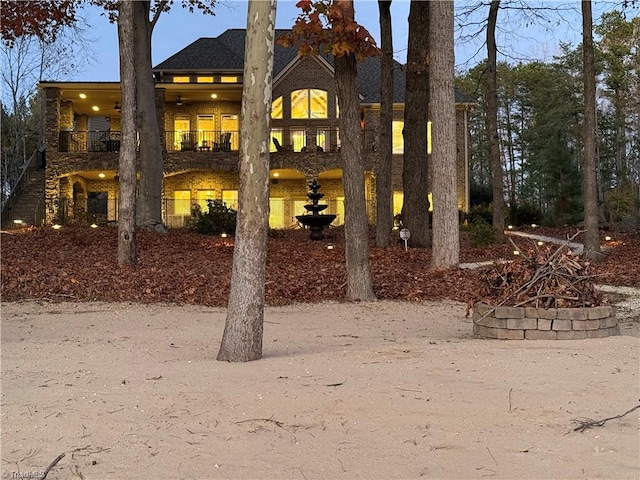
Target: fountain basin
(316, 223)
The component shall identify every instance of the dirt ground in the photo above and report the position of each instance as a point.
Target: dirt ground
(372, 390)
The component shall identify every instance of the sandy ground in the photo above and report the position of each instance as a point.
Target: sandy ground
(377, 391)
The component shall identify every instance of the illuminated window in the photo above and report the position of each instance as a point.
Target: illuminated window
(397, 138)
(322, 138)
(276, 108)
(277, 134)
(181, 79)
(298, 139)
(276, 213)
(310, 103)
(202, 197)
(230, 198)
(224, 79)
(204, 79)
(205, 130)
(182, 202)
(398, 198)
(230, 124)
(181, 126)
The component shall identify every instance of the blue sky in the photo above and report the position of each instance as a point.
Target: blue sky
(178, 28)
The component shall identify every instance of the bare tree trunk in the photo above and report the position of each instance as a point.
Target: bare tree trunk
(384, 194)
(415, 178)
(356, 228)
(446, 236)
(242, 339)
(149, 206)
(127, 161)
(492, 123)
(589, 181)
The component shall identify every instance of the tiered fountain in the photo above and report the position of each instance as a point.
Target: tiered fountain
(313, 219)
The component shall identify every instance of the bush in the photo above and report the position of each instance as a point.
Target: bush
(482, 233)
(217, 220)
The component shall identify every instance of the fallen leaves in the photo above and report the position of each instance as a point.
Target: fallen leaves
(185, 267)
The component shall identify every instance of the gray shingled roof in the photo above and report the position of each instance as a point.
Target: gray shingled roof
(226, 53)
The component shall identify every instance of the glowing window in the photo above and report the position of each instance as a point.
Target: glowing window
(310, 103)
(204, 79)
(202, 197)
(225, 79)
(397, 138)
(277, 134)
(230, 198)
(276, 108)
(181, 126)
(182, 202)
(181, 79)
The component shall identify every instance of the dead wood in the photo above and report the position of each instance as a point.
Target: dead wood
(584, 423)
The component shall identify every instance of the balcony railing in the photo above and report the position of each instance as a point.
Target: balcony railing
(293, 139)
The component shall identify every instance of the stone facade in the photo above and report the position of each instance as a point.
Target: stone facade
(72, 167)
(528, 323)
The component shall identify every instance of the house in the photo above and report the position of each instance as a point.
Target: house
(198, 98)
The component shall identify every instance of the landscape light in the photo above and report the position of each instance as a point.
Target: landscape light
(18, 222)
(93, 225)
(607, 238)
(329, 247)
(57, 226)
(510, 227)
(533, 225)
(224, 235)
(516, 252)
(540, 243)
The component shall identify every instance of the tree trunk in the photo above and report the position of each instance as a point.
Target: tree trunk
(446, 236)
(384, 194)
(149, 207)
(127, 160)
(589, 181)
(242, 338)
(415, 184)
(356, 226)
(492, 123)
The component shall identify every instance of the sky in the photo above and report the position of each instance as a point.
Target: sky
(178, 28)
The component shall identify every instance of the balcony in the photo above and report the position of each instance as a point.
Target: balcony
(291, 140)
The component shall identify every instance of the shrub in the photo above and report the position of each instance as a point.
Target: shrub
(217, 220)
(482, 233)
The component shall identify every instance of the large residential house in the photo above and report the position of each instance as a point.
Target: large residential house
(198, 99)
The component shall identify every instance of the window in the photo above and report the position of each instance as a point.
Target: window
(202, 197)
(204, 79)
(397, 138)
(97, 203)
(182, 202)
(205, 130)
(298, 139)
(398, 198)
(311, 103)
(322, 138)
(181, 79)
(277, 134)
(231, 124)
(181, 127)
(230, 198)
(225, 79)
(276, 213)
(276, 108)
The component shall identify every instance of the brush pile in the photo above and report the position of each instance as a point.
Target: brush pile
(542, 277)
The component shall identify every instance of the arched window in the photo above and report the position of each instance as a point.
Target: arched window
(276, 108)
(309, 103)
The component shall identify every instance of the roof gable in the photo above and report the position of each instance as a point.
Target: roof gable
(226, 53)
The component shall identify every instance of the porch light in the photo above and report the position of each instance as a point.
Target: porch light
(57, 226)
(95, 108)
(276, 175)
(214, 95)
(93, 225)
(101, 175)
(83, 95)
(18, 222)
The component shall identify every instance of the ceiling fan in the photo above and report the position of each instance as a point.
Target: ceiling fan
(180, 103)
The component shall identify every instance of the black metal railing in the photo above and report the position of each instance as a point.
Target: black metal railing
(89, 141)
(290, 139)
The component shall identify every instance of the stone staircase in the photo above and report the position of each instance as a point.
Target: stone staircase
(28, 204)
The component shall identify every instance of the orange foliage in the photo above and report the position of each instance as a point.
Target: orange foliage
(327, 26)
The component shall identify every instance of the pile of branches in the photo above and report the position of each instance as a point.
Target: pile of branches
(542, 277)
